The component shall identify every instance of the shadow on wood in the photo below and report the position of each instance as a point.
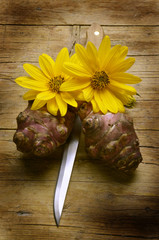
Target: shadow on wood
(39, 166)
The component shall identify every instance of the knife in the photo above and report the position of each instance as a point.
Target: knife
(66, 170)
(95, 35)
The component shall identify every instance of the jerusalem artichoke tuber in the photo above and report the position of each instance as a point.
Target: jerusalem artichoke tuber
(111, 137)
(41, 133)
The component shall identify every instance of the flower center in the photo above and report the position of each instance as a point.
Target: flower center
(99, 80)
(55, 83)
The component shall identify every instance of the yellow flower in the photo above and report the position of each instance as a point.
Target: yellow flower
(101, 75)
(46, 83)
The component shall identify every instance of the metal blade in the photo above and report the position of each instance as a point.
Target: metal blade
(66, 170)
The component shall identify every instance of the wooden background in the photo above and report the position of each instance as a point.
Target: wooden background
(99, 204)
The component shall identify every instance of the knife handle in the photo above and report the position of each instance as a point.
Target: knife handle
(95, 34)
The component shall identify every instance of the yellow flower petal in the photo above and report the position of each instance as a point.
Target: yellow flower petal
(73, 85)
(123, 65)
(28, 82)
(68, 98)
(119, 56)
(125, 78)
(124, 98)
(115, 90)
(35, 72)
(123, 52)
(99, 102)
(78, 95)
(93, 56)
(120, 105)
(95, 106)
(62, 57)
(88, 93)
(74, 59)
(91, 50)
(129, 89)
(37, 104)
(118, 102)
(47, 65)
(30, 95)
(76, 70)
(110, 58)
(47, 95)
(52, 107)
(83, 57)
(61, 105)
(104, 49)
(109, 100)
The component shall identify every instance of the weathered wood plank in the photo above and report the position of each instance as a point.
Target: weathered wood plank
(50, 232)
(26, 43)
(131, 12)
(107, 206)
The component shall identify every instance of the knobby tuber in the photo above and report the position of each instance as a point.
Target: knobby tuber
(111, 137)
(41, 133)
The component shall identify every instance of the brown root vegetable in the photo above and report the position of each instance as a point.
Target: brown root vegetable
(41, 133)
(111, 137)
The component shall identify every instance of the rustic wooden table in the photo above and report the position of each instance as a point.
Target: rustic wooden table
(99, 204)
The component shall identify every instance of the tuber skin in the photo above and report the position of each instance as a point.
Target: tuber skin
(41, 133)
(111, 138)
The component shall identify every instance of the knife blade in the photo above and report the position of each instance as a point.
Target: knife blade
(66, 170)
(95, 35)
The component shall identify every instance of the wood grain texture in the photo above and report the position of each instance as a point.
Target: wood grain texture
(48, 12)
(100, 203)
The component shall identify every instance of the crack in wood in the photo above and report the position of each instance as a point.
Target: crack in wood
(23, 213)
(88, 233)
(144, 146)
(125, 236)
(82, 25)
(148, 163)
